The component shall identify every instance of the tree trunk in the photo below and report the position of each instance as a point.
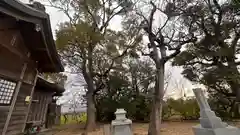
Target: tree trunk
(65, 118)
(155, 119)
(91, 112)
(88, 76)
(157, 104)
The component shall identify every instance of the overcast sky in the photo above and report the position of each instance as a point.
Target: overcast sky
(58, 17)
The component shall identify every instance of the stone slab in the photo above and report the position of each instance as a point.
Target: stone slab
(210, 124)
(208, 118)
(229, 130)
(121, 125)
(122, 130)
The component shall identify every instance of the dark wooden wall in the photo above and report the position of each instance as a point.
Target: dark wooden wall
(51, 116)
(3, 116)
(17, 120)
(13, 55)
(38, 110)
(10, 70)
(19, 113)
(58, 115)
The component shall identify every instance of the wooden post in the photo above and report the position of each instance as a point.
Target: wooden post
(29, 105)
(46, 109)
(19, 84)
(45, 113)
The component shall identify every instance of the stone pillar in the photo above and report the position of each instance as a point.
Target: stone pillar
(121, 125)
(210, 124)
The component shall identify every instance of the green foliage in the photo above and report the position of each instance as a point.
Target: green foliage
(236, 3)
(131, 90)
(73, 118)
(87, 35)
(88, 46)
(78, 36)
(212, 59)
(83, 117)
(224, 107)
(128, 90)
(188, 109)
(138, 108)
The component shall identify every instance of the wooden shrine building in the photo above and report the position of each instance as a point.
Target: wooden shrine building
(43, 105)
(27, 48)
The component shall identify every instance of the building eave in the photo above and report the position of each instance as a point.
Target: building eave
(26, 13)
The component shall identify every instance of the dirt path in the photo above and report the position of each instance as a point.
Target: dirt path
(168, 128)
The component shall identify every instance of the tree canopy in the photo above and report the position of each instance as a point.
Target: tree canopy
(88, 46)
(212, 59)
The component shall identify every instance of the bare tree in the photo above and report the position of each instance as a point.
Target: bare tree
(165, 42)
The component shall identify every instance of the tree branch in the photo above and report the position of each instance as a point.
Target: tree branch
(171, 55)
(104, 11)
(89, 12)
(65, 11)
(165, 23)
(151, 16)
(110, 17)
(144, 18)
(177, 49)
(219, 10)
(100, 84)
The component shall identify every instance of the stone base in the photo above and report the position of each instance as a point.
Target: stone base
(212, 122)
(121, 127)
(121, 122)
(229, 130)
(208, 119)
(121, 130)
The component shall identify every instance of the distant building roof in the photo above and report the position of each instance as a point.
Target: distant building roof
(45, 85)
(34, 24)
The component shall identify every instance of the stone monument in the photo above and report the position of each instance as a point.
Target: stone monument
(121, 125)
(210, 124)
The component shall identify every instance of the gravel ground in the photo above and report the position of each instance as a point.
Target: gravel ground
(167, 128)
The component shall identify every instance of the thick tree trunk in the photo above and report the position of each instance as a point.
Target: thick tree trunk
(91, 112)
(155, 119)
(65, 118)
(91, 109)
(156, 113)
(88, 76)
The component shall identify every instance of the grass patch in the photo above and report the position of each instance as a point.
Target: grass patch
(73, 118)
